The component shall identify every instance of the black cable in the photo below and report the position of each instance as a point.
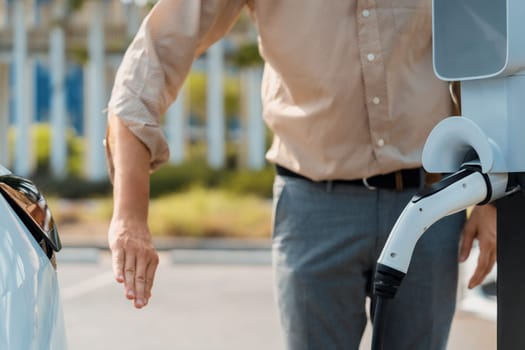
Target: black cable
(378, 323)
(386, 283)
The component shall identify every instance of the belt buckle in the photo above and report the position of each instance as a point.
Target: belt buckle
(367, 185)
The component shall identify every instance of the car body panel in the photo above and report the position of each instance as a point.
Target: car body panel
(30, 307)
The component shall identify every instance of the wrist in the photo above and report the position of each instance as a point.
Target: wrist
(127, 219)
(129, 229)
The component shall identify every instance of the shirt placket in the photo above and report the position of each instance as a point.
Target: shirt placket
(374, 77)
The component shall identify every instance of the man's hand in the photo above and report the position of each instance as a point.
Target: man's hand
(134, 259)
(481, 226)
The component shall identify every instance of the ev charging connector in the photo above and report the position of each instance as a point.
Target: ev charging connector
(467, 187)
(481, 44)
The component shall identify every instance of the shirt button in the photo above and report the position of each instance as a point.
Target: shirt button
(376, 100)
(365, 13)
(370, 57)
(380, 142)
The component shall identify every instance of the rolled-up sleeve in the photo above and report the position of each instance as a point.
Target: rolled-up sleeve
(157, 62)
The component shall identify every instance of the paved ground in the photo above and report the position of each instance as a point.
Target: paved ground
(195, 306)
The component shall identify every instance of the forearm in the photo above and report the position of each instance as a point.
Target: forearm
(134, 259)
(131, 179)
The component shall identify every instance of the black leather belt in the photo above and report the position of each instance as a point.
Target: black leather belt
(397, 180)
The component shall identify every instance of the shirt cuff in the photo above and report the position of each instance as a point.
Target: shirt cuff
(150, 135)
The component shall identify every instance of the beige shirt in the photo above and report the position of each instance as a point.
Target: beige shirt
(348, 87)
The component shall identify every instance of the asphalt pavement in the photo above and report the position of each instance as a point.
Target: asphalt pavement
(202, 300)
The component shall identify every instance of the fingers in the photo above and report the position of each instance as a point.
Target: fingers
(486, 261)
(144, 281)
(134, 263)
(482, 226)
(150, 277)
(139, 272)
(117, 263)
(140, 283)
(129, 275)
(467, 240)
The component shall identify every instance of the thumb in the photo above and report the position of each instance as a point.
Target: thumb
(468, 235)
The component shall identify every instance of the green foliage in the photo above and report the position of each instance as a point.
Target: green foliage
(76, 154)
(196, 83)
(41, 135)
(196, 172)
(72, 187)
(210, 213)
(249, 181)
(197, 95)
(75, 5)
(231, 96)
(172, 178)
(195, 212)
(247, 55)
(78, 54)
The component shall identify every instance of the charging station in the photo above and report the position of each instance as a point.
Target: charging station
(481, 44)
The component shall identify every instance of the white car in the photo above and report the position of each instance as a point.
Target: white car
(31, 315)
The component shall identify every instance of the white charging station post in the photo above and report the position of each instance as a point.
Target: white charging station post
(482, 44)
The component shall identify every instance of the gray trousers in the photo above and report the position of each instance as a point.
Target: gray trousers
(326, 241)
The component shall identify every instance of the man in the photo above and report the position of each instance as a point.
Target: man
(350, 96)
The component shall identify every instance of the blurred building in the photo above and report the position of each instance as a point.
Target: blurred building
(58, 59)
